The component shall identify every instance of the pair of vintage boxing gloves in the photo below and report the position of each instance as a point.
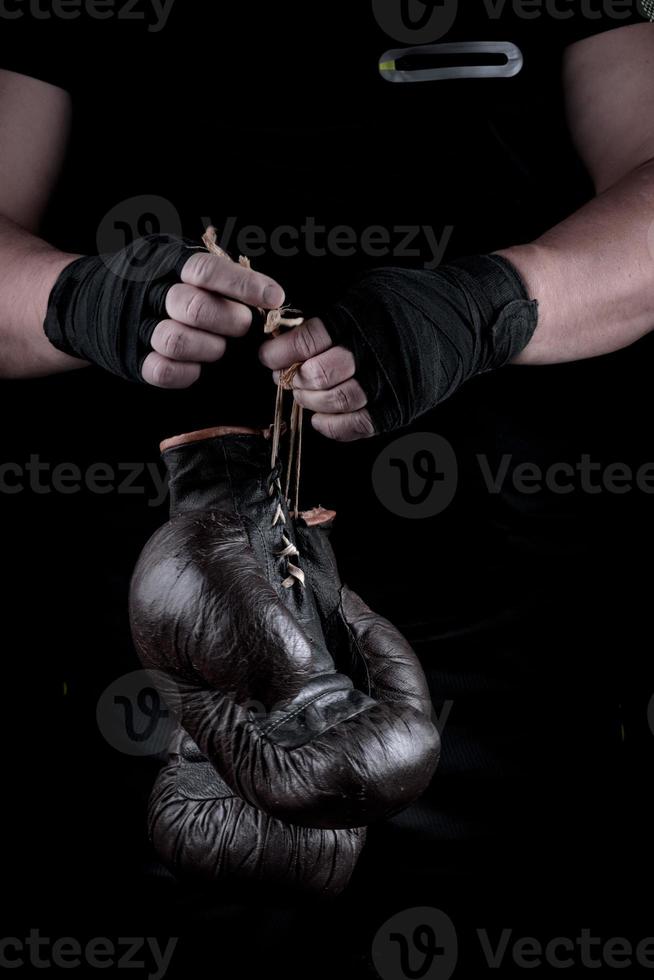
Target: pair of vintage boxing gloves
(303, 715)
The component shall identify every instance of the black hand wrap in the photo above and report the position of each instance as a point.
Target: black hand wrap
(104, 308)
(418, 335)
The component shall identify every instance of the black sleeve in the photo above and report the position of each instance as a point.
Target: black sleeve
(581, 19)
(51, 50)
(548, 25)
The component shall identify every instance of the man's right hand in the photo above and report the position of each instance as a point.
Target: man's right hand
(156, 320)
(155, 311)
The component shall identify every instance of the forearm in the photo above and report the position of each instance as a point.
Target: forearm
(593, 274)
(29, 268)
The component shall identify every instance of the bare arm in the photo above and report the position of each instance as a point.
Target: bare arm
(208, 306)
(593, 274)
(34, 126)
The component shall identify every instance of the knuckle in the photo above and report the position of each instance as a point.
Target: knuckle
(174, 343)
(339, 399)
(201, 267)
(163, 373)
(239, 285)
(305, 344)
(317, 374)
(195, 309)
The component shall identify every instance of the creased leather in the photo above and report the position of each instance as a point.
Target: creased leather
(204, 831)
(210, 615)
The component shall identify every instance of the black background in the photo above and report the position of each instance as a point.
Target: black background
(530, 614)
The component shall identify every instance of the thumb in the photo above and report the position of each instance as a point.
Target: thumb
(299, 344)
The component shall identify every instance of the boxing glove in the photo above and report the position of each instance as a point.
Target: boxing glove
(227, 605)
(202, 830)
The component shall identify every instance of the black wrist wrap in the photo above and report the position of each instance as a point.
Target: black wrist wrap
(417, 335)
(104, 308)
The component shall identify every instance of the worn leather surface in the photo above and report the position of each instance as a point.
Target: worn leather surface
(250, 667)
(202, 830)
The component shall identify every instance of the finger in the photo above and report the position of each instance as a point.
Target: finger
(299, 344)
(220, 275)
(326, 370)
(164, 373)
(178, 342)
(344, 428)
(348, 397)
(206, 311)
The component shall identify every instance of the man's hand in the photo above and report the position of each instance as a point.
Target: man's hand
(156, 310)
(160, 335)
(325, 384)
(208, 306)
(403, 340)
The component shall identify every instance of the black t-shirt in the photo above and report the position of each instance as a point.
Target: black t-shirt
(281, 113)
(276, 121)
